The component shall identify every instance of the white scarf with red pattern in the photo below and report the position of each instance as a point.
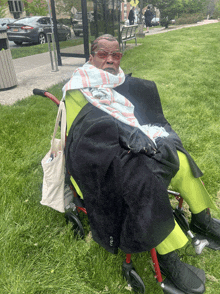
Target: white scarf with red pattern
(97, 87)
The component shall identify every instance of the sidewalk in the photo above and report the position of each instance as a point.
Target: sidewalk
(156, 30)
(36, 72)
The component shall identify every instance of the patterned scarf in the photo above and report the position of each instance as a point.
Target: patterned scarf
(97, 87)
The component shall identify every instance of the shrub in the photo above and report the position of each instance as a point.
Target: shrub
(216, 13)
(189, 18)
(164, 22)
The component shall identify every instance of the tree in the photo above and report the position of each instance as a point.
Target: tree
(3, 6)
(169, 9)
(64, 6)
(193, 6)
(216, 13)
(211, 7)
(36, 7)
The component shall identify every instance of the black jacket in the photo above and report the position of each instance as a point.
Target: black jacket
(127, 203)
(131, 15)
(148, 15)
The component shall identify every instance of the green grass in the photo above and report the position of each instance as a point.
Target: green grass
(37, 49)
(39, 254)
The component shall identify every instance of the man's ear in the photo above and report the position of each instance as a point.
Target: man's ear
(91, 58)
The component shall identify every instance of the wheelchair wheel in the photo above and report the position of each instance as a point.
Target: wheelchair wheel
(132, 278)
(77, 226)
(136, 282)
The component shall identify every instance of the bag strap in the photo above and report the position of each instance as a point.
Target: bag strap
(61, 117)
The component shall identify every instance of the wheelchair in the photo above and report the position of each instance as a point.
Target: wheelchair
(72, 215)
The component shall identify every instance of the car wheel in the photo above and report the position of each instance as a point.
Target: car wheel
(17, 43)
(68, 36)
(42, 38)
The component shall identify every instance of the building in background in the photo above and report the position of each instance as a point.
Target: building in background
(125, 9)
(15, 8)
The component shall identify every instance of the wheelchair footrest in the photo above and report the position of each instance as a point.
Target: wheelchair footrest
(214, 245)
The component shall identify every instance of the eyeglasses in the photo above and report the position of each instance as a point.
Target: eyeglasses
(104, 54)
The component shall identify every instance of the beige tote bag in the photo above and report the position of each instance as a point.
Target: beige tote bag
(53, 165)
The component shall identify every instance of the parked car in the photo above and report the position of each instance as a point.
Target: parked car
(5, 21)
(77, 22)
(34, 29)
(155, 21)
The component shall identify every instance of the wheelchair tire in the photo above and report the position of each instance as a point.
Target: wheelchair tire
(132, 278)
(136, 282)
(77, 226)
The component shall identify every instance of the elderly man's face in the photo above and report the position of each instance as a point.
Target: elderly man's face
(107, 56)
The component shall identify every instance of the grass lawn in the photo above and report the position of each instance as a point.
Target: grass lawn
(41, 48)
(39, 254)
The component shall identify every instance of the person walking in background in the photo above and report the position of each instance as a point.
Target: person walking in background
(148, 17)
(131, 16)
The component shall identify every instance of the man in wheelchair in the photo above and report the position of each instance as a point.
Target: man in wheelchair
(123, 154)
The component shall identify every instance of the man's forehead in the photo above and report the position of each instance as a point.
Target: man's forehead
(107, 44)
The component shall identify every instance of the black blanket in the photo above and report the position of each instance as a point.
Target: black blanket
(123, 180)
(144, 95)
